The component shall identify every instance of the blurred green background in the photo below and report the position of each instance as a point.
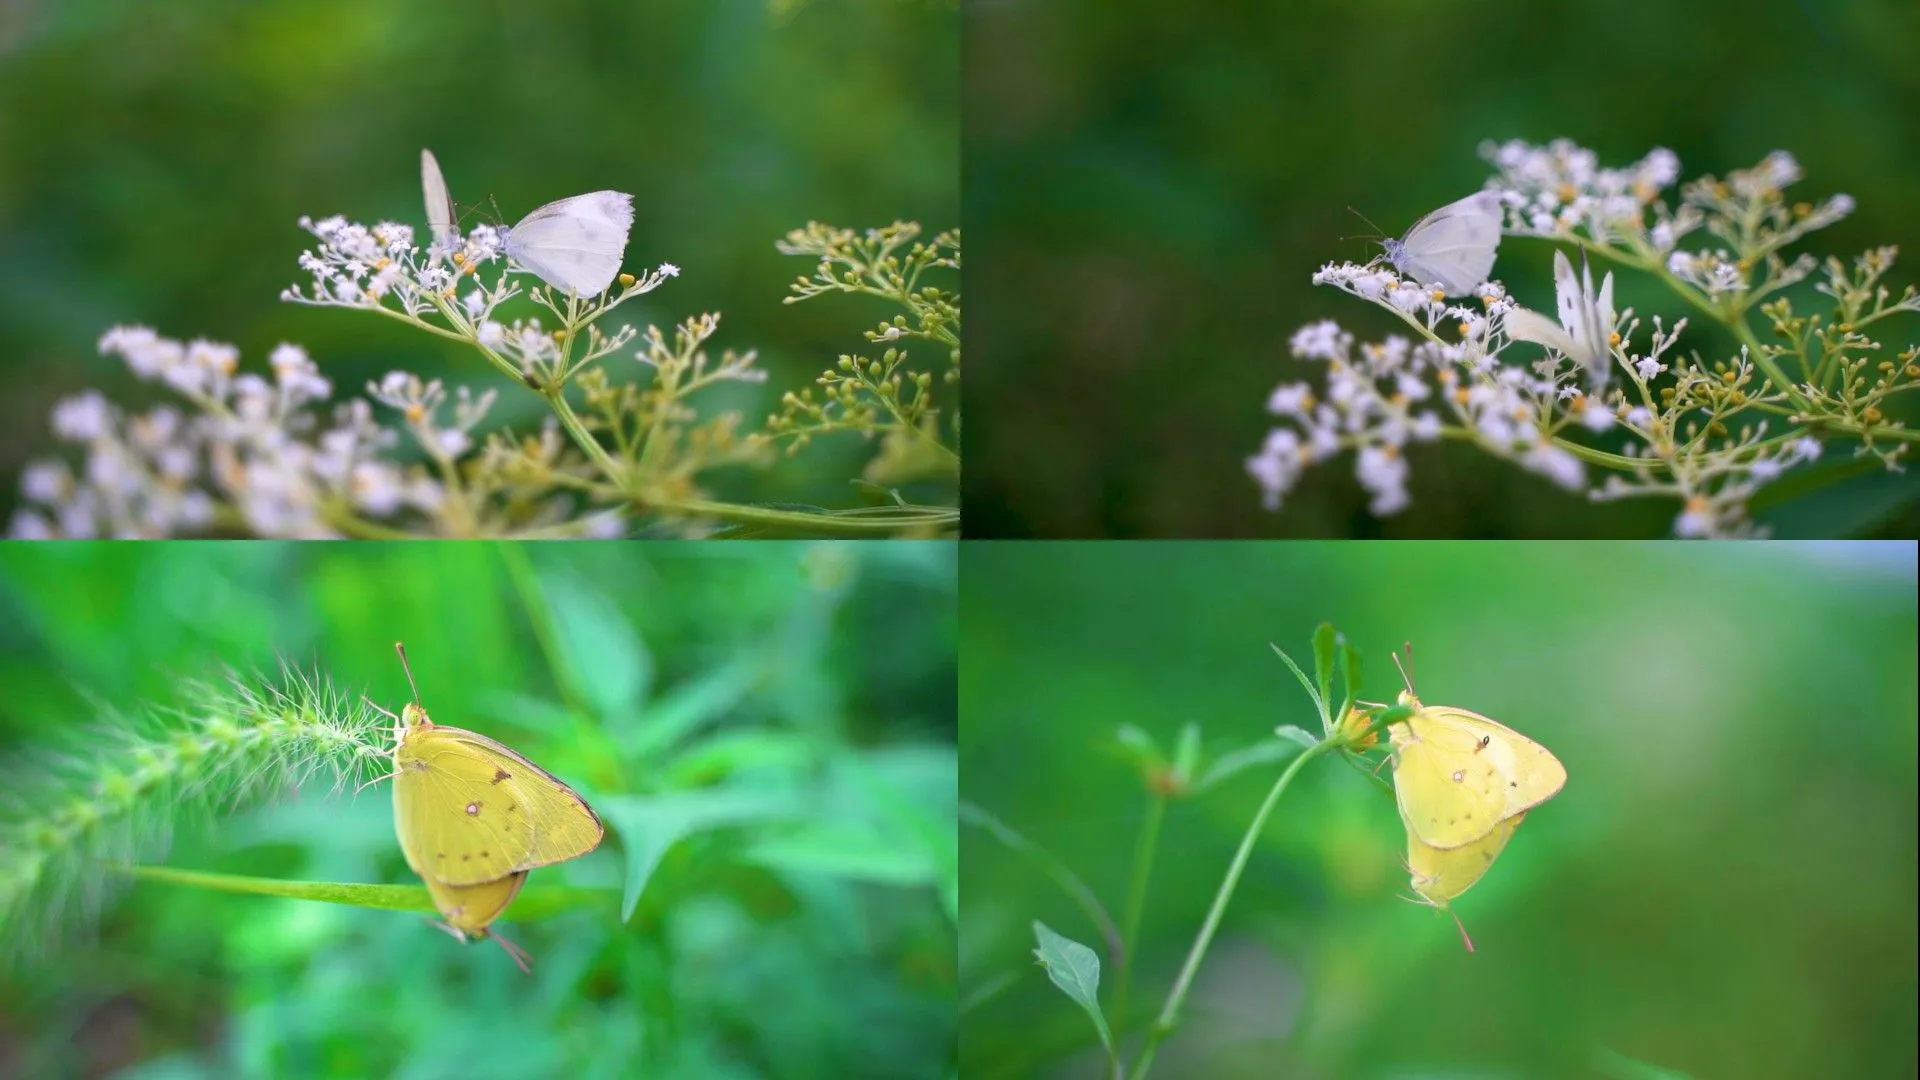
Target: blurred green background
(1725, 887)
(790, 708)
(1153, 186)
(155, 158)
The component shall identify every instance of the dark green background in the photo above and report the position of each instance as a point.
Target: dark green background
(820, 676)
(1152, 186)
(1725, 887)
(154, 160)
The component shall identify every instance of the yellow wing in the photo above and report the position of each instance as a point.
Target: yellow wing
(470, 909)
(1458, 774)
(470, 811)
(1440, 874)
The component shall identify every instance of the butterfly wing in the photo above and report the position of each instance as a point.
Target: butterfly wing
(1441, 874)
(1454, 246)
(439, 202)
(470, 909)
(468, 810)
(1458, 774)
(1525, 325)
(576, 244)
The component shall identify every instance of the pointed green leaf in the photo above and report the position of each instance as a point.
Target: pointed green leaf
(1186, 754)
(1318, 701)
(1324, 640)
(1075, 969)
(1247, 757)
(1299, 735)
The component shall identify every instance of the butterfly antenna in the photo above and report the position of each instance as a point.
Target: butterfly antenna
(408, 668)
(525, 963)
(1406, 669)
(1377, 231)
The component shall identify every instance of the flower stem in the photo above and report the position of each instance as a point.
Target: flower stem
(1143, 852)
(1169, 1016)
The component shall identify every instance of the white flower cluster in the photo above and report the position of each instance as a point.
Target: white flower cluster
(1458, 380)
(359, 266)
(1381, 396)
(253, 449)
(1560, 187)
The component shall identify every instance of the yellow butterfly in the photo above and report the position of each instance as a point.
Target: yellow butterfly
(470, 909)
(1457, 774)
(469, 811)
(1441, 874)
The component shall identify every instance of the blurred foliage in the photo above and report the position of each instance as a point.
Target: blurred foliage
(766, 729)
(155, 158)
(1154, 188)
(1724, 888)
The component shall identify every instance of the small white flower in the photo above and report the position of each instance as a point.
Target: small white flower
(1323, 340)
(1291, 400)
(668, 270)
(83, 418)
(46, 482)
(1557, 465)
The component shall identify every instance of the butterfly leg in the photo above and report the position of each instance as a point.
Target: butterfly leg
(515, 953)
(375, 780)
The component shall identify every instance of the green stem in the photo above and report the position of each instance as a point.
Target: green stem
(940, 517)
(1169, 1016)
(557, 398)
(1143, 852)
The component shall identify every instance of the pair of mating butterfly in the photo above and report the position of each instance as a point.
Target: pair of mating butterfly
(473, 817)
(574, 245)
(1453, 250)
(1464, 783)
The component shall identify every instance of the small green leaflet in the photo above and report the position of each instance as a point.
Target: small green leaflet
(1075, 969)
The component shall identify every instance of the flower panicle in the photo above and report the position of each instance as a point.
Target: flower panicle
(1684, 422)
(114, 793)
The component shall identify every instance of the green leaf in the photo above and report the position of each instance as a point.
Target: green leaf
(1140, 748)
(650, 825)
(848, 850)
(1299, 735)
(1075, 969)
(1318, 701)
(1186, 754)
(1621, 1067)
(1350, 658)
(1324, 641)
(694, 703)
(601, 657)
(1247, 757)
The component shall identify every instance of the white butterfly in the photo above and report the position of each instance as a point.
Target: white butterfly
(573, 244)
(439, 204)
(1453, 247)
(1587, 321)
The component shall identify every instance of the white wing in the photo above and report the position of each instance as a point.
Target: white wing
(575, 244)
(1454, 246)
(439, 203)
(1525, 325)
